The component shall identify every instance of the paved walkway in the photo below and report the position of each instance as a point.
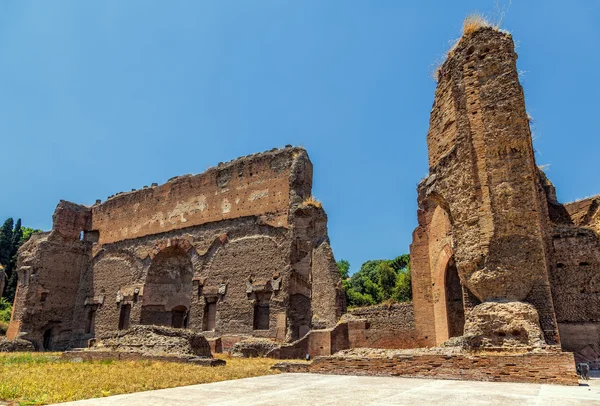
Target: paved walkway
(313, 389)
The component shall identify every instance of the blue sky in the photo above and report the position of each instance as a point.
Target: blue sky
(102, 97)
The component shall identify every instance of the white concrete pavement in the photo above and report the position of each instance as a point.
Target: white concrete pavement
(314, 389)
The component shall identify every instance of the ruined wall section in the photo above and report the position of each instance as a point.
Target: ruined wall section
(257, 185)
(49, 269)
(483, 174)
(575, 273)
(314, 265)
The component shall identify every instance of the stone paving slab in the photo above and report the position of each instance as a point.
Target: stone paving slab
(315, 389)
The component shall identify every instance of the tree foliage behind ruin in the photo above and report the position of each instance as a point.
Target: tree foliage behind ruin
(377, 281)
(12, 236)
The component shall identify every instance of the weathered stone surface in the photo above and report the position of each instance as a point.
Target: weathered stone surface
(510, 324)
(550, 367)
(15, 345)
(253, 347)
(382, 326)
(154, 340)
(84, 355)
(483, 233)
(239, 250)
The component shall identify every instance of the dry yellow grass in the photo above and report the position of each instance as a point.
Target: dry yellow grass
(474, 22)
(311, 201)
(41, 378)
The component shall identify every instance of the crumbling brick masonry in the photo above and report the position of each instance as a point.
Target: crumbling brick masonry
(239, 250)
(495, 257)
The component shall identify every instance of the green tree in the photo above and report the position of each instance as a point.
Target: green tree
(403, 289)
(400, 262)
(343, 268)
(12, 236)
(356, 299)
(387, 279)
(17, 235)
(6, 242)
(27, 233)
(378, 280)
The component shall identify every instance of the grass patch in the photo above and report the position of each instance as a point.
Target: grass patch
(42, 378)
(311, 201)
(474, 22)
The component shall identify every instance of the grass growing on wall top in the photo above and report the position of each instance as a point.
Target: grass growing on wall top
(42, 378)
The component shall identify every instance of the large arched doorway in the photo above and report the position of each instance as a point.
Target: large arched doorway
(168, 289)
(454, 301)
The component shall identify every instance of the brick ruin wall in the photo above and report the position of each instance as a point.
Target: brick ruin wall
(383, 326)
(232, 251)
(481, 221)
(553, 368)
(575, 272)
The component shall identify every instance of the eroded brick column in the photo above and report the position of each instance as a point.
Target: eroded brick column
(482, 172)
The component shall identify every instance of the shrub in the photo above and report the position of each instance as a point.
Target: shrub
(5, 310)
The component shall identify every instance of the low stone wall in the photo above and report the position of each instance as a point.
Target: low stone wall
(382, 326)
(15, 345)
(83, 355)
(554, 368)
(315, 343)
(154, 341)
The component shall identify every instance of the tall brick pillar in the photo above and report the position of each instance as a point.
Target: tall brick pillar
(482, 176)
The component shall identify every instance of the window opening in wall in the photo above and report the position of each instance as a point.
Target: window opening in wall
(261, 313)
(454, 301)
(47, 339)
(91, 320)
(124, 316)
(43, 297)
(210, 316)
(91, 236)
(179, 317)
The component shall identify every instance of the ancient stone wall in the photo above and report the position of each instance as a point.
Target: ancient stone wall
(257, 186)
(575, 273)
(383, 326)
(49, 268)
(553, 368)
(239, 250)
(480, 208)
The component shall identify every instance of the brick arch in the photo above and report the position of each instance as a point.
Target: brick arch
(431, 253)
(439, 294)
(168, 286)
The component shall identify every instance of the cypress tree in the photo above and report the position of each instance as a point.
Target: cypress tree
(17, 235)
(6, 242)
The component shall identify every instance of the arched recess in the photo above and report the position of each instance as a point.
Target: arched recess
(446, 290)
(168, 289)
(454, 301)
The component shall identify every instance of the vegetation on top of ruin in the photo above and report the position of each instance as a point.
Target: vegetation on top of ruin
(471, 24)
(474, 22)
(311, 201)
(377, 281)
(65, 381)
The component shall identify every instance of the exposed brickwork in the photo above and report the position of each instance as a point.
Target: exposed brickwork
(232, 252)
(553, 368)
(575, 273)
(134, 356)
(383, 326)
(258, 186)
(480, 208)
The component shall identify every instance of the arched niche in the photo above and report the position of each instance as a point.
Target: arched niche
(448, 309)
(168, 289)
